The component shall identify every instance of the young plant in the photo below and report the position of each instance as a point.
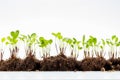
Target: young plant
(101, 46)
(74, 45)
(30, 42)
(113, 43)
(1, 49)
(60, 48)
(85, 47)
(12, 41)
(44, 44)
(89, 46)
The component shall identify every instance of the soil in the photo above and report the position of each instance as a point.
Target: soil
(60, 63)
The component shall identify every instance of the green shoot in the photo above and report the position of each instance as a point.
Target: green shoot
(1, 49)
(113, 43)
(44, 44)
(60, 48)
(30, 42)
(101, 46)
(12, 40)
(85, 46)
(74, 45)
(90, 46)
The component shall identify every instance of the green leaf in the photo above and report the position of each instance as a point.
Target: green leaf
(69, 41)
(115, 38)
(74, 41)
(33, 35)
(44, 42)
(50, 41)
(79, 47)
(118, 44)
(87, 46)
(41, 38)
(103, 41)
(111, 43)
(101, 47)
(15, 41)
(3, 39)
(12, 33)
(72, 45)
(95, 41)
(78, 42)
(7, 43)
(9, 38)
(58, 35)
(16, 33)
(54, 34)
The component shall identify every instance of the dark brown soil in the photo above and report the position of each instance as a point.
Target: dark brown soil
(60, 63)
(11, 64)
(92, 64)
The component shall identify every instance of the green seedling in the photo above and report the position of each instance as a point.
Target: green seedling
(74, 45)
(44, 44)
(1, 49)
(113, 43)
(12, 40)
(85, 46)
(90, 44)
(60, 48)
(30, 42)
(101, 46)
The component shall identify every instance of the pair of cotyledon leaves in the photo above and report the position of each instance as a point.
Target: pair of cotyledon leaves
(13, 38)
(114, 41)
(44, 42)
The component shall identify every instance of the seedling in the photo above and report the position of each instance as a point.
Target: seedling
(74, 45)
(12, 41)
(85, 47)
(60, 48)
(101, 47)
(30, 43)
(90, 46)
(44, 44)
(113, 43)
(1, 49)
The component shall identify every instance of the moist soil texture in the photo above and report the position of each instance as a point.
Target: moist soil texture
(60, 63)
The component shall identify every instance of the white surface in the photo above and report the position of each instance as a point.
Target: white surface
(59, 75)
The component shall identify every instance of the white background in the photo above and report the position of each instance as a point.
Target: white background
(73, 18)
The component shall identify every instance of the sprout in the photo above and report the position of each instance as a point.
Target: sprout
(60, 48)
(12, 40)
(101, 46)
(30, 43)
(85, 47)
(90, 44)
(1, 49)
(45, 45)
(113, 43)
(74, 45)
